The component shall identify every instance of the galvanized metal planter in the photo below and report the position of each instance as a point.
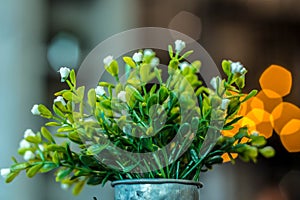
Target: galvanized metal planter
(156, 189)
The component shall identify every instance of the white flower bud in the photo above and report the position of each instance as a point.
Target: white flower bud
(179, 45)
(28, 155)
(108, 60)
(64, 73)
(255, 133)
(100, 91)
(122, 96)
(64, 186)
(4, 172)
(184, 65)
(24, 144)
(35, 110)
(41, 147)
(154, 62)
(28, 132)
(148, 52)
(215, 82)
(237, 68)
(224, 104)
(137, 57)
(60, 99)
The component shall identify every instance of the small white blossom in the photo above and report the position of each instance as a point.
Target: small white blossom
(122, 96)
(237, 67)
(184, 65)
(137, 57)
(64, 73)
(64, 186)
(108, 60)
(100, 91)
(4, 172)
(255, 133)
(41, 147)
(215, 82)
(60, 99)
(179, 45)
(224, 104)
(24, 144)
(154, 62)
(35, 110)
(28, 155)
(28, 132)
(148, 52)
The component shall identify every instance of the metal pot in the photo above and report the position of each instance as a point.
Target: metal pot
(156, 189)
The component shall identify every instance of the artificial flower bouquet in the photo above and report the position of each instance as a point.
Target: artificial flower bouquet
(146, 126)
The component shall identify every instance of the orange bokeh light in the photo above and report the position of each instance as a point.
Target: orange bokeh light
(269, 103)
(276, 79)
(290, 135)
(282, 114)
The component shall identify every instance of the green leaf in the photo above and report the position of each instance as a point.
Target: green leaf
(243, 132)
(226, 65)
(55, 147)
(163, 94)
(133, 92)
(250, 95)
(170, 51)
(235, 120)
(94, 180)
(48, 167)
(58, 112)
(78, 187)
(19, 166)
(240, 82)
(46, 134)
(96, 149)
(65, 129)
(158, 75)
(233, 107)
(53, 124)
(34, 139)
(186, 54)
(32, 171)
(74, 137)
(197, 65)
(68, 95)
(105, 104)
(258, 141)
(106, 84)
(89, 160)
(55, 158)
(12, 176)
(62, 173)
(113, 68)
(152, 101)
(45, 112)
(267, 152)
(92, 98)
(80, 94)
(72, 77)
(129, 61)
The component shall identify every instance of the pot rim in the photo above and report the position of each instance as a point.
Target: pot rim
(156, 181)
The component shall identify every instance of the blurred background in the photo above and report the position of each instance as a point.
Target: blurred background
(37, 37)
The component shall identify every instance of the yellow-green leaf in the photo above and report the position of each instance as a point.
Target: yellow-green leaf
(129, 61)
(32, 171)
(46, 134)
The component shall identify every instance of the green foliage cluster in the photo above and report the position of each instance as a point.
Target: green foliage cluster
(142, 115)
